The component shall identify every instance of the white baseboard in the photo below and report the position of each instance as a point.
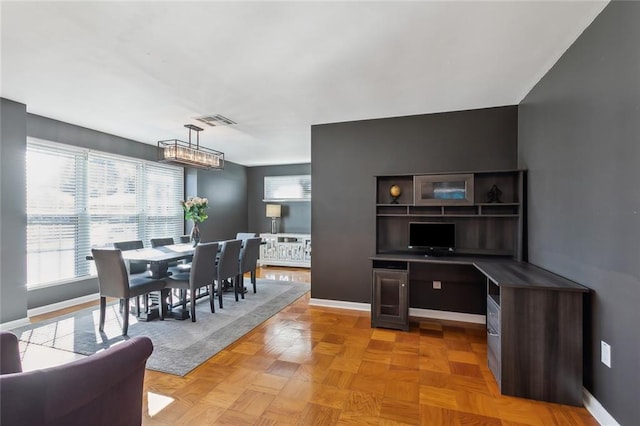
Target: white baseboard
(445, 315)
(40, 310)
(413, 312)
(14, 324)
(340, 304)
(597, 410)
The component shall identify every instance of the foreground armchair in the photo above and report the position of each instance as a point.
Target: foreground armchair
(101, 389)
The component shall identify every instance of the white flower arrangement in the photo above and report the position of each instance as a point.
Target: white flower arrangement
(194, 209)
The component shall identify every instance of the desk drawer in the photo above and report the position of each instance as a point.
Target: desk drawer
(493, 338)
(493, 309)
(494, 354)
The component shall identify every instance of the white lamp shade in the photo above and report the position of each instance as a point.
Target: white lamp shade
(273, 210)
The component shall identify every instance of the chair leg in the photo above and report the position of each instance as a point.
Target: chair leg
(193, 304)
(103, 309)
(212, 298)
(253, 280)
(234, 282)
(162, 305)
(137, 306)
(220, 294)
(239, 284)
(125, 317)
(183, 296)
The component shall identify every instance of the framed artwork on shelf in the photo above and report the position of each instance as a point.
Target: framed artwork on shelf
(430, 190)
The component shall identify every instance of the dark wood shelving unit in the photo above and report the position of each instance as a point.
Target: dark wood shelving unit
(482, 227)
(533, 317)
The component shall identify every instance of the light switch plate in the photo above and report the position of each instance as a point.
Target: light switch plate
(605, 353)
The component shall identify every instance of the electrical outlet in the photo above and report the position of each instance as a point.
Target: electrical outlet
(605, 353)
(437, 285)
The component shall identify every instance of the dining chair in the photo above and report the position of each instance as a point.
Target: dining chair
(159, 242)
(113, 281)
(227, 267)
(249, 255)
(245, 235)
(174, 267)
(134, 267)
(202, 274)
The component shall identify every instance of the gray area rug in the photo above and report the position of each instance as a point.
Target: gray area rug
(179, 346)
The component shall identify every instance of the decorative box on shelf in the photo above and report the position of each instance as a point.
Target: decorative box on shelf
(286, 250)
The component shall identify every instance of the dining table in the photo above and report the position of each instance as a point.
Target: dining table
(159, 258)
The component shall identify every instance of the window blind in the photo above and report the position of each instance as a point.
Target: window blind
(78, 199)
(287, 188)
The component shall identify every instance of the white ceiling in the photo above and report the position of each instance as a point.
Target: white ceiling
(142, 70)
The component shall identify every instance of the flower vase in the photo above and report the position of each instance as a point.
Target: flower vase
(195, 234)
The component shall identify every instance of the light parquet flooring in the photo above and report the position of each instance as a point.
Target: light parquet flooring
(321, 366)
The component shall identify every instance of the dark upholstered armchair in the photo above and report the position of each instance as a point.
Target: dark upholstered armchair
(101, 389)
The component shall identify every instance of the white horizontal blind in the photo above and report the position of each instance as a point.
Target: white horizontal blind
(112, 199)
(287, 188)
(163, 189)
(53, 210)
(78, 199)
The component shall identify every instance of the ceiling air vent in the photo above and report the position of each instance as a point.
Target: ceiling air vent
(215, 120)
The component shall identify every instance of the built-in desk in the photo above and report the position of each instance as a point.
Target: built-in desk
(533, 318)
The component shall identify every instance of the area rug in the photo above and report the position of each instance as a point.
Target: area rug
(179, 346)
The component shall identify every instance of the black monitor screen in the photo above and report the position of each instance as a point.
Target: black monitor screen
(432, 236)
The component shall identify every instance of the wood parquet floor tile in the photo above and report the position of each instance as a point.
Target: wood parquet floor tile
(321, 366)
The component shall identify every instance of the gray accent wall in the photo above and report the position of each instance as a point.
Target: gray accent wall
(296, 216)
(13, 220)
(579, 135)
(227, 193)
(347, 156)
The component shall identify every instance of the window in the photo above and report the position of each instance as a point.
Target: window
(78, 199)
(287, 188)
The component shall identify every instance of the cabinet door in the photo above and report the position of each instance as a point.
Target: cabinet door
(389, 307)
(269, 249)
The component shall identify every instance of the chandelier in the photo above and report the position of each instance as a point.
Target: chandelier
(188, 154)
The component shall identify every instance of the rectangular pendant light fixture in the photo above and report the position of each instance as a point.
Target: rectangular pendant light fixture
(189, 154)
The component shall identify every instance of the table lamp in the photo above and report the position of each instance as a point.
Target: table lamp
(274, 211)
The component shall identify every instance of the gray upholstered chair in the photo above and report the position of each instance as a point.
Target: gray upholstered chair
(174, 267)
(227, 267)
(101, 389)
(159, 242)
(249, 255)
(134, 267)
(9, 354)
(245, 235)
(203, 269)
(114, 281)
